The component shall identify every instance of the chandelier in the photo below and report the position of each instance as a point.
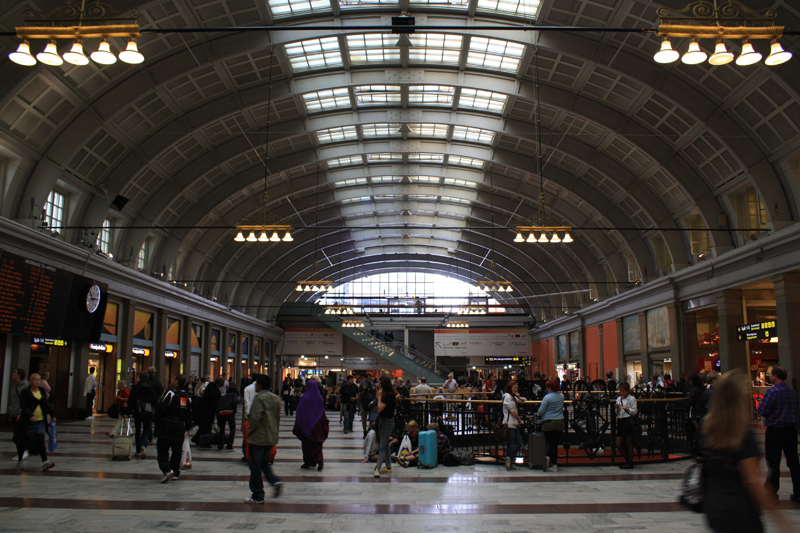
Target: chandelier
(712, 19)
(544, 232)
(471, 310)
(266, 232)
(338, 309)
(495, 286)
(353, 324)
(314, 286)
(457, 324)
(76, 23)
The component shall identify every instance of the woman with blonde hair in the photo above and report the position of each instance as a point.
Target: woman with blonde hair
(121, 399)
(734, 492)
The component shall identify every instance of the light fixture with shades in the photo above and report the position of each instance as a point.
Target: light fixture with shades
(261, 232)
(719, 20)
(339, 310)
(77, 23)
(353, 324)
(471, 310)
(457, 324)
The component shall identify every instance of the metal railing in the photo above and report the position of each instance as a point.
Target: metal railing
(662, 429)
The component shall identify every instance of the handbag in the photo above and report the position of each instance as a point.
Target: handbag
(113, 411)
(501, 430)
(692, 491)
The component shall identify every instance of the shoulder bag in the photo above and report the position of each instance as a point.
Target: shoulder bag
(692, 492)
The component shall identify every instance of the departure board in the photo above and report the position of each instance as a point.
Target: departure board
(33, 296)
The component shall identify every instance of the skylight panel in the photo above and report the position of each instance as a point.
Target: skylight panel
(327, 99)
(454, 199)
(379, 158)
(494, 54)
(464, 161)
(485, 100)
(287, 8)
(384, 179)
(345, 161)
(435, 48)
(424, 179)
(333, 135)
(373, 48)
(377, 95)
(350, 182)
(354, 4)
(478, 135)
(460, 183)
(431, 94)
(356, 199)
(463, 4)
(381, 130)
(314, 53)
(423, 196)
(431, 158)
(521, 8)
(429, 130)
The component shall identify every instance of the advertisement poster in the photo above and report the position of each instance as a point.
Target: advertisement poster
(482, 342)
(312, 342)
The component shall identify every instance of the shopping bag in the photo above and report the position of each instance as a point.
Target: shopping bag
(186, 453)
(53, 440)
(405, 447)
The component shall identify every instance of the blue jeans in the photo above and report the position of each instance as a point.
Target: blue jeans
(349, 415)
(259, 462)
(385, 428)
(514, 444)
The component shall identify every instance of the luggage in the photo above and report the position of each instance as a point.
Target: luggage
(465, 458)
(537, 451)
(122, 446)
(427, 450)
(212, 439)
(246, 439)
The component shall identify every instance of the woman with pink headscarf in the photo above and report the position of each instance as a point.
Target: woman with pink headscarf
(311, 425)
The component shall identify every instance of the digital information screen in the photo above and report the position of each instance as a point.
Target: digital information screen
(507, 360)
(758, 331)
(33, 296)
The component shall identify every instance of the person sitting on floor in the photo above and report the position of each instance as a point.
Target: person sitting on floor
(442, 442)
(371, 445)
(411, 458)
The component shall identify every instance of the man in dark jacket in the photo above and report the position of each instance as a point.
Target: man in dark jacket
(143, 400)
(173, 418)
(226, 414)
(208, 408)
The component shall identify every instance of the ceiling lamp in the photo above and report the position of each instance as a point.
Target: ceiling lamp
(49, 56)
(666, 54)
(76, 56)
(531, 238)
(314, 286)
(721, 56)
(275, 237)
(748, 56)
(567, 238)
(555, 238)
(288, 237)
(694, 55)
(777, 54)
(239, 237)
(519, 238)
(299, 288)
(103, 53)
(542, 238)
(262, 230)
(23, 55)
(251, 237)
(263, 237)
(457, 324)
(131, 54)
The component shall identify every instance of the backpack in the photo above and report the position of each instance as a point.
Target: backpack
(147, 398)
(367, 397)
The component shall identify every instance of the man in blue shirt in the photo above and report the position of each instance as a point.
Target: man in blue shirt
(779, 409)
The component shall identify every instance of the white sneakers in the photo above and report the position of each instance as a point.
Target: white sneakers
(169, 475)
(89, 418)
(376, 473)
(47, 465)
(553, 468)
(24, 456)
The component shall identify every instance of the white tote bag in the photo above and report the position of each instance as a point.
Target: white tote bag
(405, 447)
(186, 453)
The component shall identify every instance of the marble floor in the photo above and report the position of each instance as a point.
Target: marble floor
(88, 492)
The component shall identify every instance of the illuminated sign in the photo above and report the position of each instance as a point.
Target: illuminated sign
(138, 351)
(169, 353)
(212, 359)
(50, 342)
(758, 331)
(507, 360)
(95, 347)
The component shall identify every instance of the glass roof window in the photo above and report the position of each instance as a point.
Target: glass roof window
(428, 158)
(333, 135)
(327, 99)
(441, 95)
(314, 53)
(424, 179)
(384, 179)
(464, 161)
(381, 130)
(431, 197)
(455, 200)
(373, 48)
(354, 4)
(356, 199)
(380, 158)
(460, 183)
(520, 8)
(345, 161)
(435, 48)
(350, 182)
(429, 130)
(468, 133)
(377, 95)
(455, 4)
(484, 100)
(287, 8)
(494, 54)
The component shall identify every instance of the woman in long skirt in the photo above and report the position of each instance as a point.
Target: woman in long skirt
(311, 425)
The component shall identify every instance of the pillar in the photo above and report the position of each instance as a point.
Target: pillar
(602, 364)
(223, 351)
(125, 339)
(623, 369)
(787, 300)
(673, 313)
(160, 345)
(186, 346)
(690, 340)
(732, 353)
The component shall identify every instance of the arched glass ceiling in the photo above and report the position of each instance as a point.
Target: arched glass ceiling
(397, 292)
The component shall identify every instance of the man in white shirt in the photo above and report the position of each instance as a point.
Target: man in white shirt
(224, 389)
(451, 385)
(89, 390)
(249, 394)
(423, 387)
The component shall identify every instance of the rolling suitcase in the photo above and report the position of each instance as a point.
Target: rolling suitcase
(122, 446)
(427, 450)
(537, 449)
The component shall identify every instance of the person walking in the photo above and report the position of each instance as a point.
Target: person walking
(779, 409)
(387, 403)
(208, 408)
(226, 414)
(551, 412)
(89, 390)
(511, 401)
(347, 399)
(734, 493)
(32, 418)
(311, 425)
(264, 420)
(173, 418)
(626, 408)
(143, 400)
(121, 399)
(19, 384)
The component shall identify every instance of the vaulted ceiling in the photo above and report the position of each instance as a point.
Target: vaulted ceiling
(388, 157)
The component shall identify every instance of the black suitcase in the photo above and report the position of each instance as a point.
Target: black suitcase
(537, 448)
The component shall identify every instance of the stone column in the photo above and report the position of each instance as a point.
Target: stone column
(732, 353)
(160, 346)
(692, 348)
(127, 312)
(787, 300)
(601, 364)
(673, 311)
(223, 351)
(186, 346)
(623, 369)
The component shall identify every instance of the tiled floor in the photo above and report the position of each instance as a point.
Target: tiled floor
(88, 492)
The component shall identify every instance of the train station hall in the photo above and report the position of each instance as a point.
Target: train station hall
(472, 266)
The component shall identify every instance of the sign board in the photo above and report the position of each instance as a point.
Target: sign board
(482, 342)
(758, 331)
(51, 342)
(515, 361)
(312, 342)
(98, 347)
